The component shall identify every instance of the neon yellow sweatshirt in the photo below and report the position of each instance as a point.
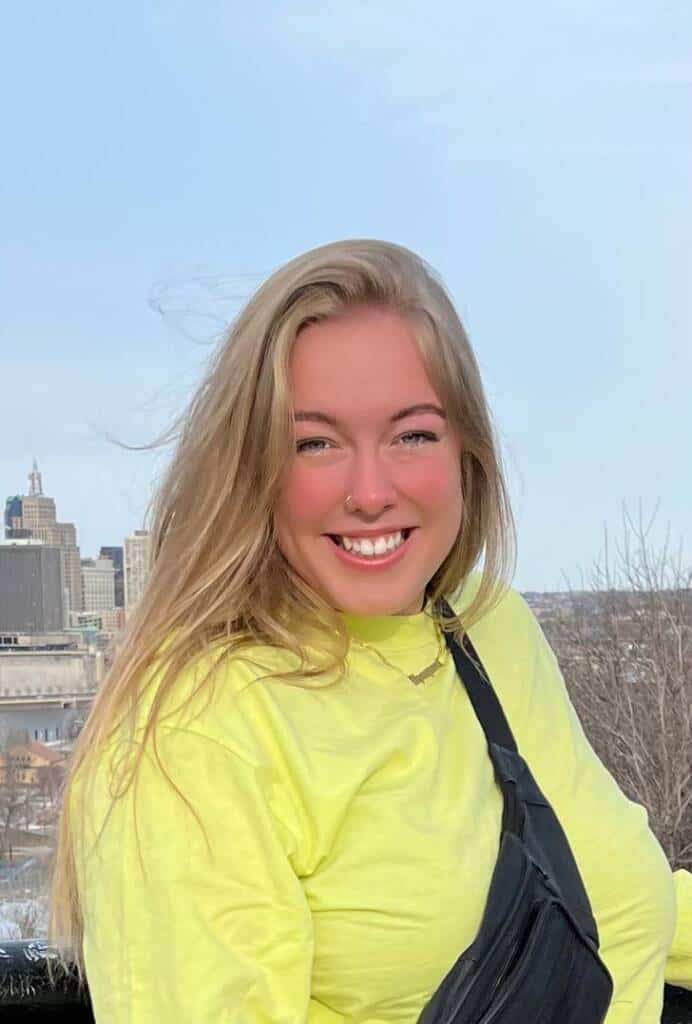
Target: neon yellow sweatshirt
(352, 834)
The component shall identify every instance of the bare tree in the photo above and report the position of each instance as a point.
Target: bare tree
(49, 780)
(12, 789)
(624, 644)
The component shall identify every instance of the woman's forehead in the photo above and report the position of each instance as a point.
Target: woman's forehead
(359, 357)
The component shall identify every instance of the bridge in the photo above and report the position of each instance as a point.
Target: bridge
(81, 700)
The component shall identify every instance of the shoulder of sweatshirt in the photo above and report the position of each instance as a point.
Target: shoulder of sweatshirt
(679, 964)
(512, 648)
(510, 614)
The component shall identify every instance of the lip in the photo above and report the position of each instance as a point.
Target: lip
(373, 563)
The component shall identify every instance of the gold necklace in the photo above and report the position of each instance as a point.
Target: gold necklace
(417, 677)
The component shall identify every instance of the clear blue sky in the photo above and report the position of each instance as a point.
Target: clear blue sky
(539, 155)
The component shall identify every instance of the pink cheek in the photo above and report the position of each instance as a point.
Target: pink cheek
(307, 500)
(434, 487)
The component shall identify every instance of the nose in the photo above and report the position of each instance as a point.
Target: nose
(370, 485)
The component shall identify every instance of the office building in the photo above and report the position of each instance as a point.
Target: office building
(33, 515)
(31, 587)
(136, 561)
(116, 556)
(98, 585)
(98, 598)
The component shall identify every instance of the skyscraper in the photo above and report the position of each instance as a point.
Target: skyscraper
(31, 587)
(98, 597)
(98, 585)
(34, 515)
(136, 567)
(116, 556)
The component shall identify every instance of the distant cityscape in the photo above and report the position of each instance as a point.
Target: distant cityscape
(59, 615)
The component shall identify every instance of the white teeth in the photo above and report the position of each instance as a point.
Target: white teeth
(368, 547)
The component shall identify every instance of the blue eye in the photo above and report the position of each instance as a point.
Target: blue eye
(301, 445)
(425, 434)
(421, 433)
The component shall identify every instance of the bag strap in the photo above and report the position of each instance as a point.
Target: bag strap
(479, 688)
(498, 735)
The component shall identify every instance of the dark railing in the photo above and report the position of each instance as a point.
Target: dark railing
(26, 993)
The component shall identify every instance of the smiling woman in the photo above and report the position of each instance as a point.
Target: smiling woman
(334, 765)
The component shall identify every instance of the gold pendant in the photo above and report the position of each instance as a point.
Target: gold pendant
(419, 677)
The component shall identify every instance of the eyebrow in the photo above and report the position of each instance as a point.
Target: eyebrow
(410, 410)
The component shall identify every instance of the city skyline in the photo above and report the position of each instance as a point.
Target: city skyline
(49, 591)
(35, 477)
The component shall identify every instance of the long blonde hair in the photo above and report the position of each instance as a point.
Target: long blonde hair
(217, 575)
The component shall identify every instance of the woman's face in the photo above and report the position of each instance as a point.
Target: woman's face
(360, 369)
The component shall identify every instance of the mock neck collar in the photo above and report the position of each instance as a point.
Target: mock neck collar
(393, 632)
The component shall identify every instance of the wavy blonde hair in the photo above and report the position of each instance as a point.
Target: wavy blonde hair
(217, 575)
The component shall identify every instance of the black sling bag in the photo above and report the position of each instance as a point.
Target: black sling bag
(535, 958)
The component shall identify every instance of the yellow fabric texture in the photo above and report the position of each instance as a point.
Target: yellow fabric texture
(351, 838)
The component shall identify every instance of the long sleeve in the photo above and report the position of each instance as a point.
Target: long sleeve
(624, 869)
(679, 964)
(195, 934)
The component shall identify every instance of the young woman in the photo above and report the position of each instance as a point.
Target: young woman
(282, 807)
